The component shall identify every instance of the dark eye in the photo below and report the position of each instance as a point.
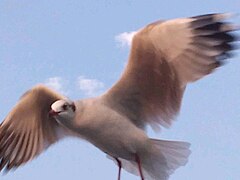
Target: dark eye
(65, 107)
(73, 107)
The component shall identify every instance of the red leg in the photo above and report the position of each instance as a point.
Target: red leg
(119, 168)
(139, 166)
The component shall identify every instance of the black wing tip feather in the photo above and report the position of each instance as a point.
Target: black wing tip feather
(216, 24)
(214, 27)
(214, 16)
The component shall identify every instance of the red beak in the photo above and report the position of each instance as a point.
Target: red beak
(52, 113)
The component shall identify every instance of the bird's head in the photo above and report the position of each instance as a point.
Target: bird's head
(63, 108)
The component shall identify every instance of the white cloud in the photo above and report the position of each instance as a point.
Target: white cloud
(90, 87)
(125, 39)
(56, 83)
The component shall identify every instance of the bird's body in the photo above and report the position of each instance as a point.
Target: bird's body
(119, 138)
(109, 137)
(165, 57)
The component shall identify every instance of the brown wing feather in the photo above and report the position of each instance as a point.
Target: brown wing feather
(28, 130)
(165, 56)
(149, 89)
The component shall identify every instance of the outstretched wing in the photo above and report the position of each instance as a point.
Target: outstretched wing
(164, 57)
(28, 130)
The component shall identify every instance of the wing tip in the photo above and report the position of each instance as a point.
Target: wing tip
(215, 16)
(214, 19)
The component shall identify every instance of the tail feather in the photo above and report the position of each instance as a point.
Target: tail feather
(161, 160)
(173, 150)
(165, 157)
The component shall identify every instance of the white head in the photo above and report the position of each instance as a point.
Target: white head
(63, 108)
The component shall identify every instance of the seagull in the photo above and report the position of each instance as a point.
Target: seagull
(165, 57)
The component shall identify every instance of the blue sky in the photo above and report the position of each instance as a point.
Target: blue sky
(72, 46)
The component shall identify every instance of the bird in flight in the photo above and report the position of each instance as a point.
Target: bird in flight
(165, 56)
